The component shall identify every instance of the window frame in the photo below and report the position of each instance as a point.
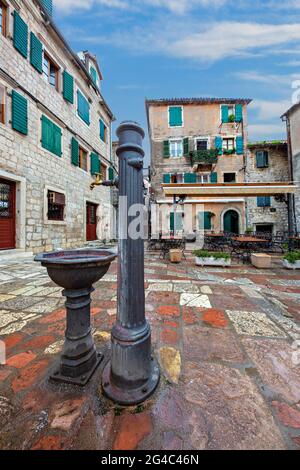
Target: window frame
(83, 150)
(266, 160)
(51, 62)
(227, 138)
(182, 116)
(201, 175)
(59, 191)
(5, 16)
(174, 141)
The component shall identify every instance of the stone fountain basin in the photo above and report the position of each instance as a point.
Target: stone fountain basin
(77, 269)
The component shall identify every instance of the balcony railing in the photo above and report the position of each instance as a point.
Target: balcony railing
(204, 157)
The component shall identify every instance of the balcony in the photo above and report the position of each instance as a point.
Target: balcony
(204, 157)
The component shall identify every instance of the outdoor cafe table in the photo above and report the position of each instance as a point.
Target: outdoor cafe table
(248, 244)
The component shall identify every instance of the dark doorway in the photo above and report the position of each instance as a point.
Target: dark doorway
(264, 228)
(7, 215)
(232, 222)
(91, 222)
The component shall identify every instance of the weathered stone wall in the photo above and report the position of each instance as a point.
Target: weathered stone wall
(23, 155)
(295, 144)
(277, 214)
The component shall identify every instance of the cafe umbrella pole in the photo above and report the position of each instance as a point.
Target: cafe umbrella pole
(132, 374)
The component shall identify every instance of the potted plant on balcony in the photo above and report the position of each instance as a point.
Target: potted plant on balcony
(206, 258)
(291, 260)
(231, 118)
(229, 152)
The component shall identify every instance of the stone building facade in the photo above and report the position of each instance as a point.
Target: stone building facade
(267, 162)
(199, 141)
(55, 135)
(292, 119)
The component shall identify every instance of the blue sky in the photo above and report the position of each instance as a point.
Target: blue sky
(185, 48)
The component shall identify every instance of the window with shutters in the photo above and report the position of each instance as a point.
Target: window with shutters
(51, 137)
(175, 116)
(19, 118)
(56, 206)
(36, 53)
(228, 143)
(103, 131)
(2, 104)
(3, 18)
(176, 148)
(68, 87)
(83, 159)
(50, 71)
(262, 159)
(83, 107)
(20, 35)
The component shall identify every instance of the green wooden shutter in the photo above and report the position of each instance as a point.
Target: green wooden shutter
(167, 178)
(83, 108)
(48, 5)
(19, 113)
(214, 177)
(95, 164)
(74, 152)
(193, 178)
(57, 138)
(20, 35)
(172, 221)
(186, 147)
(51, 137)
(219, 145)
(225, 113)
(93, 75)
(166, 149)
(111, 174)
(260, 159)
(175, 116)
(36, 53)
(239, 145)
(102, 130)
(187, 177)
(204, 220)
(238, 113)
(68, 87)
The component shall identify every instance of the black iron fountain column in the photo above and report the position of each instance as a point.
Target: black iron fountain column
(132, 374)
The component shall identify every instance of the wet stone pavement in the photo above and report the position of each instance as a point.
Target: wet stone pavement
(228, 342)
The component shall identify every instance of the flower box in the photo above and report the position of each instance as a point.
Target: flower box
(289, 265)
(211, 261)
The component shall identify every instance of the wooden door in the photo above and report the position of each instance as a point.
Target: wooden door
(91, 222)
(7, 215)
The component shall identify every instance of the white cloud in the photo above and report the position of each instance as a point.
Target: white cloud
(230, 39)
(270, 109)
(175, 6)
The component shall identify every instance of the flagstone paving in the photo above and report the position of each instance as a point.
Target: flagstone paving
(227, 341)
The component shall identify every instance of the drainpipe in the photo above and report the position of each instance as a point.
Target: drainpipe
(292, 222)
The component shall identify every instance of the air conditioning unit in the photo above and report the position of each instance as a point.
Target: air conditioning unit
(57, 198)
